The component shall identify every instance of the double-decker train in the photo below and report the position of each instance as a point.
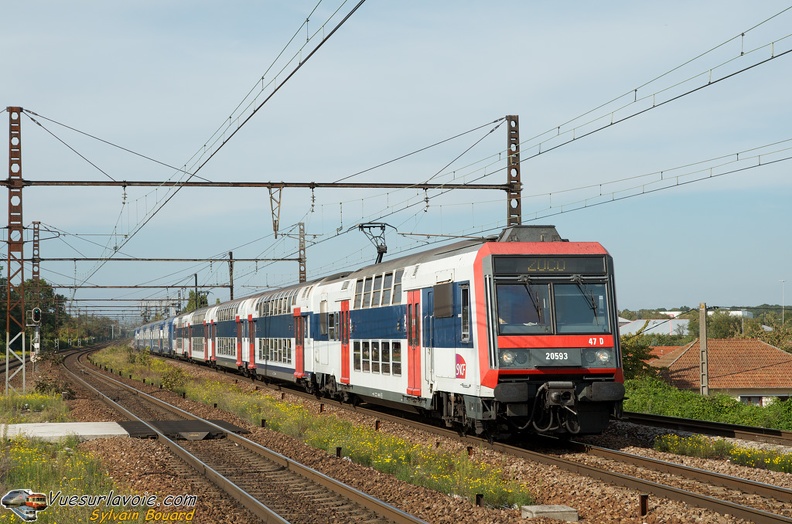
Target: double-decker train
(515, 333)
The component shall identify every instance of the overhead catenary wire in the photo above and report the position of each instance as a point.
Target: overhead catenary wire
(192, 174)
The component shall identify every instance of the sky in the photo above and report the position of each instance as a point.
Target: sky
(660, 130)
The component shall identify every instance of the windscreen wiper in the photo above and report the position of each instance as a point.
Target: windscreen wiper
(525, 280)
(586, 295)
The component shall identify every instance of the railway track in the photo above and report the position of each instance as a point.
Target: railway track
(735, 497)
(619, 469)
(742, 498)
(272, 487)
(716, 429)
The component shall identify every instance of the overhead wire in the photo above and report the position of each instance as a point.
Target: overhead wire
(172, 193)
(573, 120)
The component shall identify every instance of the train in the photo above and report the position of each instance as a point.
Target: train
(506, 335)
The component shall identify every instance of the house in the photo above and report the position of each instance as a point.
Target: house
(747, 369)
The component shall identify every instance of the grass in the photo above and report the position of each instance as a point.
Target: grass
(19, 408)
(456, 474)
(717, 448)
(43, 466)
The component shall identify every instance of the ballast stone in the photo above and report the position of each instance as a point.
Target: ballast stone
(551, 511)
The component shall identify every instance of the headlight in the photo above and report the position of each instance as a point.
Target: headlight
(507, 358)
(603, 356)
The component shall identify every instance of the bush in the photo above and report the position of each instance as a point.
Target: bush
(652, 395)
(174, 379)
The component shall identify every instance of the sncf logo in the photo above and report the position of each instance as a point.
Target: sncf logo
(461, 367)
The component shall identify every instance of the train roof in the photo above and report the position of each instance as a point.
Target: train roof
(532, 233)
(512, 234)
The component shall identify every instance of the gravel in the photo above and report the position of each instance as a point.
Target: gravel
(145, 466)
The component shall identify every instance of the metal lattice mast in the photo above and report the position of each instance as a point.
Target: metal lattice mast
(301, 255)
(35, 291)
(15, 282)
(514, 198)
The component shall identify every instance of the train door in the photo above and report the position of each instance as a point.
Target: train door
(239, 325)
(427, 305)
(414, 342)
(344, 329)
(206, 341)
(213, 338)
(189, 341)
(299, 344)
(251, 334)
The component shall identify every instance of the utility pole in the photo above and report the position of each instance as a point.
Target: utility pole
(703, 362)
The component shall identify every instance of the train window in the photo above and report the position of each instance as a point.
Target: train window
(465, 306)
(356, 355)
(443, 300)
(331, 326)
(377, 292)
(397, 287)
(386, 358)
(323, 317)
(581, 308)
(396, 358)
(375, 357)
(386, 289)
(358, 293)
(366, 356)
(523, 308)
(367, 292)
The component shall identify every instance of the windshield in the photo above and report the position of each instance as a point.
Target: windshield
(524, 308)
(581, 308)
(576, 307)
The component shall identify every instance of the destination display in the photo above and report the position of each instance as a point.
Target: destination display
(549, 265)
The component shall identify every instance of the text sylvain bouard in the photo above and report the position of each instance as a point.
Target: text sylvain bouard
(150, 515)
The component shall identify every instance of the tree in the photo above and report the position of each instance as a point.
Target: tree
(770, 331)
(203, 301)
(720, 324)
(635, 356)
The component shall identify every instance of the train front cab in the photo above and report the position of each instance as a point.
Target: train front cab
(549, 324)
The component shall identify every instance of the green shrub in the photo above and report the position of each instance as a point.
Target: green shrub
(652, 395)
(174, 379)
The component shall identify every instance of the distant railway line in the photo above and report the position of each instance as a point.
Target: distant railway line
(717, 429)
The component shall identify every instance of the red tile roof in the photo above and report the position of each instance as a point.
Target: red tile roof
(733, 364)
